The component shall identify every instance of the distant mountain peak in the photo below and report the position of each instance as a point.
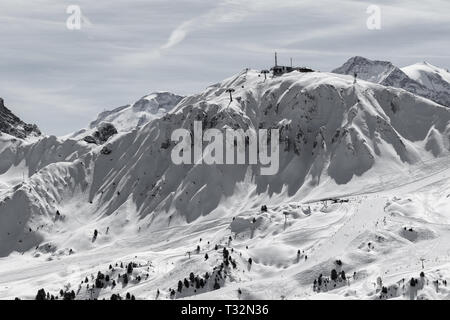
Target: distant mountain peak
(423, 79)
(147, 108)
(418, 70)
(366, 69)
(131, 116)
(14, 126)
(360, 59)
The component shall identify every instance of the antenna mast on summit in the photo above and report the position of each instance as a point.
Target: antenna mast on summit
(276, 62)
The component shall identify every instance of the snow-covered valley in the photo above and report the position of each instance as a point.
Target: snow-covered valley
(363, 189)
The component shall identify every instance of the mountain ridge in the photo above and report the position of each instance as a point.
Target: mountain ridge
(385, 73)
(129, 117)
(14, 126)
(363, 149)
(329, 127)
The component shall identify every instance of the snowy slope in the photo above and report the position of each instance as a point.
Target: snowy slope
(24, 150)
(21, 159)
(129, 117)
(432, 77)
(408, 78)
(149, 107)
(383, 149)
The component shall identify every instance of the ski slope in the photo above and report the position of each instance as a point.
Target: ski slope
(327, 234)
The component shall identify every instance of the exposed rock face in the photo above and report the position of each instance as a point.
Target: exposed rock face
(105, 150)
(12, 125)
(90, 139)
(103, 133)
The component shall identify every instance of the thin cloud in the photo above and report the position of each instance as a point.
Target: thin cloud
(128, 49)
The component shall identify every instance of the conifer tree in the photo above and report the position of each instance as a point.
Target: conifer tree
(334, 275)
(41, 295)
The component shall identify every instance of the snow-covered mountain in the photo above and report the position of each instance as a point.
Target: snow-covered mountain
(147, 108)
(421, 79)
(12, 125)
(22, 159)
(129, 117)
(24, 150)
(357, 161)
(434, 78)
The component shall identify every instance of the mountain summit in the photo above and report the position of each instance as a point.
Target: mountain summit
(129, 117)
(429, 82)
(12, 125)
(147, 108)
(434, 78)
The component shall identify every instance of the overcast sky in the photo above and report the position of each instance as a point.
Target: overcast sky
(60, 78)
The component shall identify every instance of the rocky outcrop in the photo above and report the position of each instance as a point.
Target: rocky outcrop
(14, 126)
(102, 134)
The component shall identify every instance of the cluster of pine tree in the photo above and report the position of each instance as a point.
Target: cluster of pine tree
(128, 296)
(219, 274)
(64, 295)
(336, 279)
(99, 282)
